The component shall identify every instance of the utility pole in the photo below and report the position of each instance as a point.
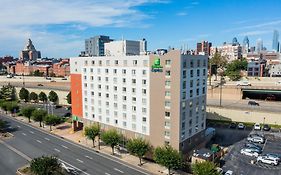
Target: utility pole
(221, 90)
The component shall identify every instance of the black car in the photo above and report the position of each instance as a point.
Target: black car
(266, 127)
(233, 125)
(253, 103)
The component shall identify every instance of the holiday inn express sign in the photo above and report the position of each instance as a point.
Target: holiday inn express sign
(156, 67)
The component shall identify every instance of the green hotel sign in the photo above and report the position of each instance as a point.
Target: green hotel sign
(156, 67)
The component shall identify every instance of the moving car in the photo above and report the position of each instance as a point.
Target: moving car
(255, 139)
(64, 78)
(253, 145)
(253, 103)
(265, 159)
(249, 152)
(240, 126)
(48, 78)
(257, 126)
(243, 83)
(266, 127)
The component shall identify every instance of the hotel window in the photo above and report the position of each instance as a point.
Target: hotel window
(125, 62)
(190, 113)
(203, 82)
(198, 63)
(204, 72)
(92, 78)
(191, 83)
(204, 63)
(115, 71)
(124, 124)
(115, 97)
(167, 93)
(134, 126)
(203, 90)
(124, 80)
(202, 125)
(85, 77)
(92, 70)
(191, 93)
(115, 113)
(190, 104)
(167, 124)
(144, 101)
(93, 93)
(183, 116)
(184, 84)
(133, 72)
(134, 118)
(124, 98)
(100, 62)
(115, 80)
(197, 92)
(116, 121)
(107, 62)
(168, 83)
(167, 114)
(107, 87)
(145, 63)
(134, 99)
(198, 72)
(144, 82)
(106, 71)
(92, 86)
(144, 110)
(85, 70)
(93, 62)
(184, 64)
(115, 105)
(115, 88)
(98, 70)
(167, 62)
(107, 104)
(124, 107)
(183, 95)
(99, 94)
(190, 132)
(135, 62)
(107, 112)
(124, 116)
(134, 81)
(134, 108)
(107, 120)
(85, 84)
(106, 79)
(123, 71)
(144, 91)
(144, 129)
(167, 104)
(144, 119)
(184, 74)
(143, 72)
(116, 62)
(183, 125)
(168, 73)
(86, 63)
(190, 122)
(99, 78)
(191, 73)
(197, 82)
(133, 90)
(99, 86)
(167, 134)
(183, 105)
(191, 63)
(124, 89)
(107, 95)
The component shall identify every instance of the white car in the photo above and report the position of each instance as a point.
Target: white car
(249, 152)
(255, 139)
(265, 159)
(241, 126)
(273, 156)
(229, 172)
(257, 126)
(243, 83)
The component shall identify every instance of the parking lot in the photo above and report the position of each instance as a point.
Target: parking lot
(240, 164)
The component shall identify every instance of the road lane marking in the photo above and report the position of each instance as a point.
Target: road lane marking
(16, 151)
(64, 146)
(89, 157)
(74, 167)
(23, 134)
(47, 139)
(81, 161)
(118, 170)
(107, 174)
(18, 126)
(108, 157)
(57, 150)
(31, 132)
(38, 141)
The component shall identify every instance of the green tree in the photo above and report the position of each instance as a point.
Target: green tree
(53, 96)
(38, 115)
(4, 106)
(138, 147)
(204, 168)
(93, 131)
(234, 68)
(111, 137)
(219, 61)
(168, 157)
(68, 98)
(24, 94)
(33, 96)
(234, 75)
(52, 120)
(46, 166)
(8, 92)
(12, 106)
(38, 73)
(27, 112)
(42, 97)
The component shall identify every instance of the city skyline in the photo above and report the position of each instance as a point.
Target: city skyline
(163, 23)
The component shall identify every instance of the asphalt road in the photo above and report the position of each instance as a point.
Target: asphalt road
(243, 104)
(48, 85)
(32, 142)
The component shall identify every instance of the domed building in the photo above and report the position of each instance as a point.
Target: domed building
(29, 52)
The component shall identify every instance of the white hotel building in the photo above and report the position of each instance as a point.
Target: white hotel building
(163, 103)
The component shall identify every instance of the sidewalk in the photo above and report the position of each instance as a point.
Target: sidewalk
(64, 130)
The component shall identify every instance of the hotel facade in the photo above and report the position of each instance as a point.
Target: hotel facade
(161, 98)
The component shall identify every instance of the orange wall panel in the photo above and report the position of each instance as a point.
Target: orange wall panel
(76, 95)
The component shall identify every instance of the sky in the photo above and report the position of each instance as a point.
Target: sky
(58, 28)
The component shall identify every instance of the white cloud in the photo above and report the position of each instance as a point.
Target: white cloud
(255, 32)
(181, 14)
(21, 19)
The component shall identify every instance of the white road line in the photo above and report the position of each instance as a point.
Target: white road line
(47, 139)
(107, 174)
(89, 157)
(64, 146)
(31, 132)
(57, 150)
(74, 167)
(23, 134)
(81, 161)
(38, 141)
(118, 170)
(18, 126)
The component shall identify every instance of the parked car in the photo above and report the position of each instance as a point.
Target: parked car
(253, 145)
(257, 126)
(53, 81)
(40, 85)
(48, 78)
(255, 139)
(232, 125)
(240, 126)
(273, 156)
(266, 127)
(265, 159)
(253, 103)
(64, 78)
(243, 83)
(228, 172)
(9, 76)
(249, 152)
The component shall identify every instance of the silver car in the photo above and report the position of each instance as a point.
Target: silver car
(265, 159)
(255, 139)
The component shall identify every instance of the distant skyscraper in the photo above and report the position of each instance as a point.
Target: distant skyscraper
(29, 52)
(246, 44)
(94, 46)
(275, 42)
(259, 45)
(234, 41)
